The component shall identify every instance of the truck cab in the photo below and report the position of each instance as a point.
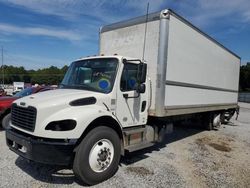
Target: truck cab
(117, 80)
(99, 98)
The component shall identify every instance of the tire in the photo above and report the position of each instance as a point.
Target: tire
(223, 118)
(6, 121)
(207, 121)
(93, 163)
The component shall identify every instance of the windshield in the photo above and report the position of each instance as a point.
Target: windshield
(92, 74)
(23, 93)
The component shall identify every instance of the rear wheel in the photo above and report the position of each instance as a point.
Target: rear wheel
(211, 121)
(227, 115)
(98, 156)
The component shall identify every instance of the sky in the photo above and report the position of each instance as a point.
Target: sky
(37, 34)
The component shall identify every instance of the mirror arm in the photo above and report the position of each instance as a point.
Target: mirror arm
(134, 60)
(127, 97)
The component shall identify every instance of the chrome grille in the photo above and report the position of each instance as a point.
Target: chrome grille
(24, 118)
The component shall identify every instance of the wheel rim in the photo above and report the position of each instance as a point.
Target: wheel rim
(101, 155)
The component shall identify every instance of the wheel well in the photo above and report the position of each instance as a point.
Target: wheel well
(103, 121)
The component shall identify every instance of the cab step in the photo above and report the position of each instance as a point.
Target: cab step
(133, 131)
(138, 146)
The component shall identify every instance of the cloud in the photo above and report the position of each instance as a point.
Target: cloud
(207, 13)
(141, 5)
(40, 31)
(73, 9)
(204, 13)
(247, 16)
(33, 62)
(82, 18)
(5, 39)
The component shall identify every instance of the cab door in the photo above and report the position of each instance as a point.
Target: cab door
(131, 106)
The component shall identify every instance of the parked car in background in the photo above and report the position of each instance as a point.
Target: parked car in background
(2, 92)
(6, 101)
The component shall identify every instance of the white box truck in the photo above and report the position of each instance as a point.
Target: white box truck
(17, 86)
(110, 104)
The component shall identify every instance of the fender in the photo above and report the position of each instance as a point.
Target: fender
(83, 115)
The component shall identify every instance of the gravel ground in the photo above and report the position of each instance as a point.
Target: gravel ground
(188, 157)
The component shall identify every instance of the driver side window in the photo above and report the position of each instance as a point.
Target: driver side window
(129, 77)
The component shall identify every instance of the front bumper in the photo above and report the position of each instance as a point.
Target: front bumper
(42, 150)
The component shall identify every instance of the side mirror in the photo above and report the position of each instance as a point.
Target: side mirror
(142, 72)
(141, 88)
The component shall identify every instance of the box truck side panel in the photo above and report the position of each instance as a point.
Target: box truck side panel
(186, 66)
(195, 59)
(186, 96)
(128, 41)
(199, 71)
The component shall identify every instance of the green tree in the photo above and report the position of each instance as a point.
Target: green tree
(48, 76)
(245, 77)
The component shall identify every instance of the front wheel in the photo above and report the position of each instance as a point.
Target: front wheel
(98, 156)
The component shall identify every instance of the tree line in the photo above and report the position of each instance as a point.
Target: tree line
(54, 75)
(49, 76)
(245, 77)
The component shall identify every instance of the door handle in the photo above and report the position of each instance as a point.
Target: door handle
(143, 106)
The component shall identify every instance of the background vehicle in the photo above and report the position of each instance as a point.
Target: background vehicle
(2, 92)
(17, 86)
(109, 105)
(6, 101)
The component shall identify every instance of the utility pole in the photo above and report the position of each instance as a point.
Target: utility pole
(2, 68)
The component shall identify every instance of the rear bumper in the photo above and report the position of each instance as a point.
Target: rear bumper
(47, 151)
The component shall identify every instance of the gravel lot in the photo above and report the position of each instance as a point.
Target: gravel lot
(187, 158)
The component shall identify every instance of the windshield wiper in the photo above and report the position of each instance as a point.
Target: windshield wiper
(62, 85)
(82, 86)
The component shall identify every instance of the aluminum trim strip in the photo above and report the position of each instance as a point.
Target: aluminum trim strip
(162, 64)
(175, 107)
(191, 109)
(197, 86)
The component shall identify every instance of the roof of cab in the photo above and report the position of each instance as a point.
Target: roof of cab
(108, 56)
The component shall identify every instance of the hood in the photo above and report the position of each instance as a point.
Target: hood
(56, 105)
(56, 97)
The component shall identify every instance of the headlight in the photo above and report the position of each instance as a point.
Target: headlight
(63, 125)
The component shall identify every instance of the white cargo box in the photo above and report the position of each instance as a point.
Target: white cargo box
(190, 72)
